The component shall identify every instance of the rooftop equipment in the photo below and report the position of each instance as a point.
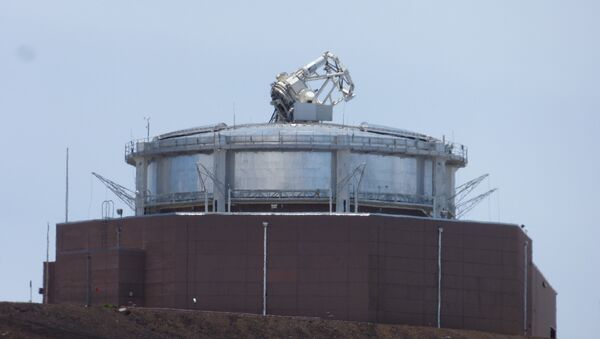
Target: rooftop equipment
(296, 100)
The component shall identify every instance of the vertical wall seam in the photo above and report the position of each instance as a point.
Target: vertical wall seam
(265, 225)
(525, 282)
(439, 296)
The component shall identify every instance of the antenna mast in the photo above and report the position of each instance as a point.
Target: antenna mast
(465, 189)
(462, 203)
(67, 188)
(47, 275)
(466, 206)
(147, 128)
(125, 194)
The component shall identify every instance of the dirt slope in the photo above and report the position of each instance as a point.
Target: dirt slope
(23, 320)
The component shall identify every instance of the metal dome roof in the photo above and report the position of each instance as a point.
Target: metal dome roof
(266, 129)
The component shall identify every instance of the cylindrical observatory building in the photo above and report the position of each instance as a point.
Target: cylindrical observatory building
(302, 167)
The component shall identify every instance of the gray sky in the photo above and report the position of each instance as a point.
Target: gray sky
(515, 81)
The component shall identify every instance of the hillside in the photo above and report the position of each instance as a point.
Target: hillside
(23, 320)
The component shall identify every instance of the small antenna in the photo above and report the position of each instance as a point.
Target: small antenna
(30, 291)
(47, 273)
(234, 114)
(67, 187)
(147, 128)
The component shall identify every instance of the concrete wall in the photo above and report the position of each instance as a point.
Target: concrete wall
(353, 267)
(544, 305)
(99, 276)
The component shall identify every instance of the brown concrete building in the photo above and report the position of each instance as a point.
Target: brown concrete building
(363, 267)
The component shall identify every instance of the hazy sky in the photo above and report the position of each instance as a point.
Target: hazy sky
(515, 81)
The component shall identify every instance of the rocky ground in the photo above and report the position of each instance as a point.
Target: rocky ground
(24, 320)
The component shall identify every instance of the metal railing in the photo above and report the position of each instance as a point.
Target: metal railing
(294, 140)
(458, 150)
(281, 194)
(290, 195)
(175, 198)
(394, 198)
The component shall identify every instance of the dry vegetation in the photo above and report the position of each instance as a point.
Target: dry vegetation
(22, 320)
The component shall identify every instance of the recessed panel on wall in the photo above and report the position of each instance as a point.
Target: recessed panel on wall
(280, 170)
(178, 174)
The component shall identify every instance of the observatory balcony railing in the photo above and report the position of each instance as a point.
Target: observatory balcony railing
(288, 195)
(456, 151)
(323, 194)
(176, 198)
(399, 198)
